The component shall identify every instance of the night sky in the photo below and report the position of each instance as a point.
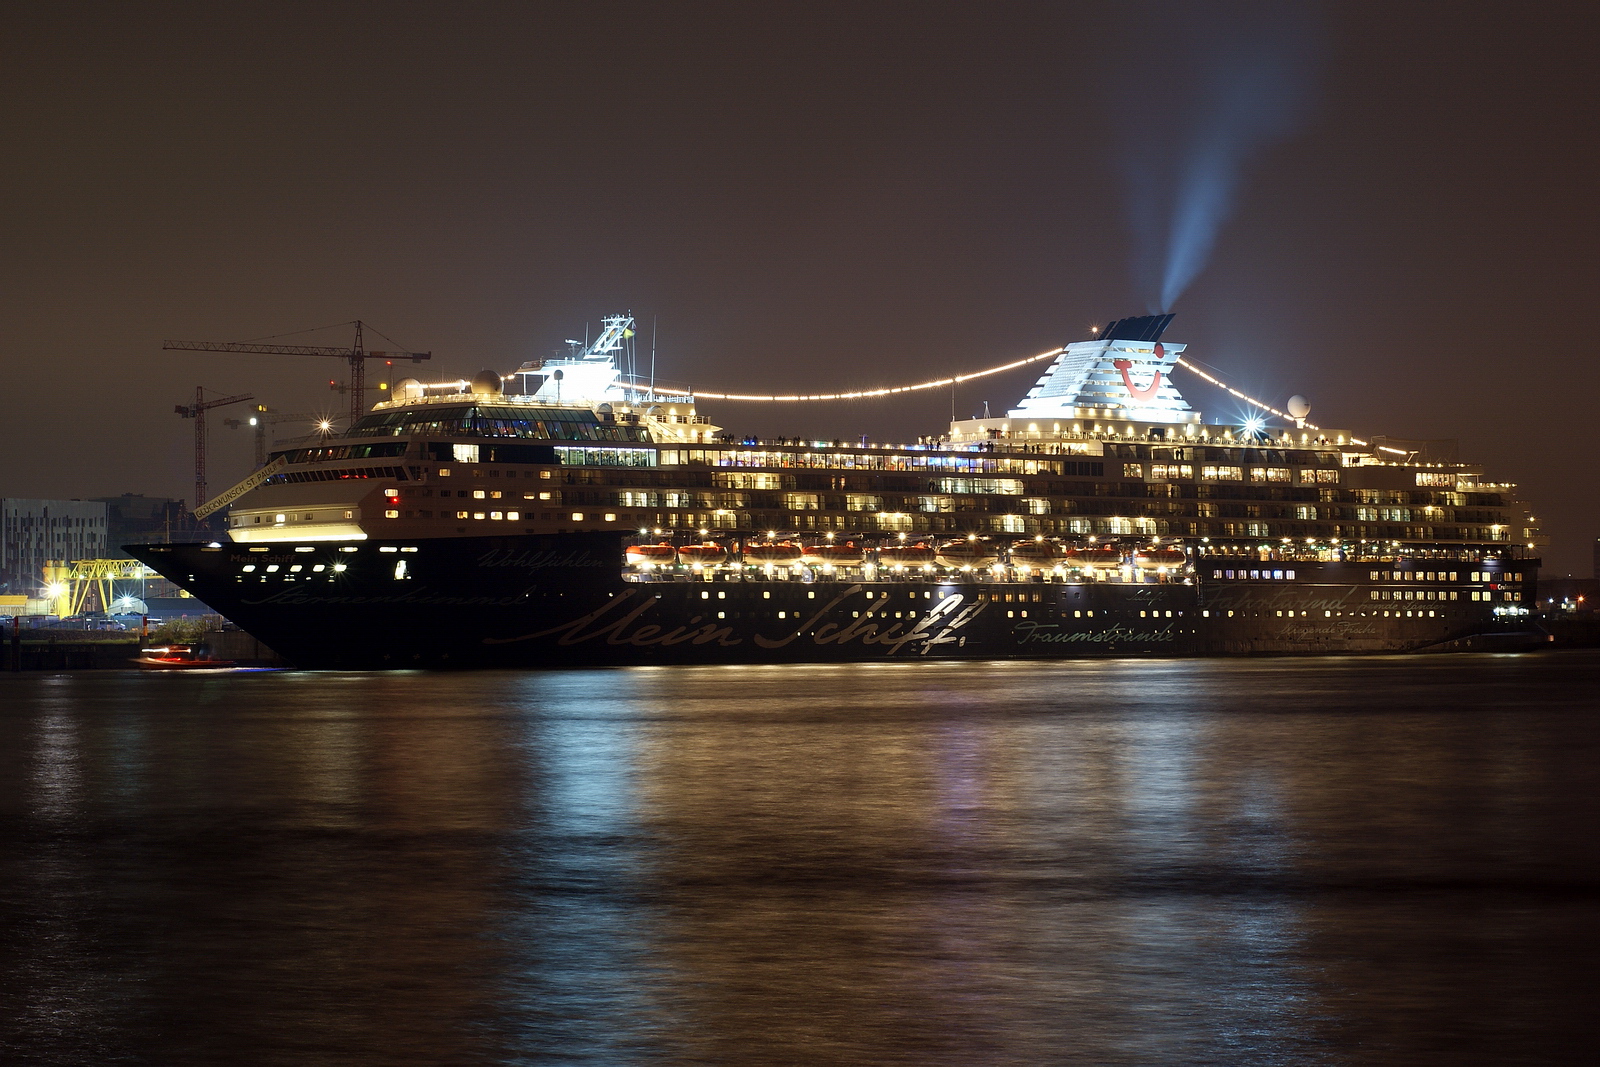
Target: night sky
(803, 197)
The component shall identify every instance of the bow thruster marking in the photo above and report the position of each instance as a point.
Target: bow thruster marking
(1149, 391)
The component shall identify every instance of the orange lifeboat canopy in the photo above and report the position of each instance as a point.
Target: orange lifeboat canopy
(662, 555)
(783, 553)
(1033, 554)
(917, 555)
(1104, 557)
(1159, 557)
(848, 554)
(706, 554)
(958, 554)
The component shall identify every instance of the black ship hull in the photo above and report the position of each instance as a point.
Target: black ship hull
(543, 601)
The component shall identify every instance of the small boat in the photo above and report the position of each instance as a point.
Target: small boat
(1089, 558)
(848, 554)
(705, 554)
(958, 555)
(783, 553)
(177, 658)
(1034, 554)
(662, 555)
(917, 555)
(1155, 558)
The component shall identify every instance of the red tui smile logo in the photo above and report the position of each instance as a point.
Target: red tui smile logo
(1149, 391)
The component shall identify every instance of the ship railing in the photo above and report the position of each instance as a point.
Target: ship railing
(943, 576)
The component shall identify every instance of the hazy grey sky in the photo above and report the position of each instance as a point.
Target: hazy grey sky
(802, 195)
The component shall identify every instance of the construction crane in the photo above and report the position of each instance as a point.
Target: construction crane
(197, 412)
(264, 417)
(357, 354)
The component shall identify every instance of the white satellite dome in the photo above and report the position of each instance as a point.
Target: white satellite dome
(1299, 406)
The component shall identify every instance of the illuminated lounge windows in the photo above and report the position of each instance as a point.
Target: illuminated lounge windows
(1212, 472)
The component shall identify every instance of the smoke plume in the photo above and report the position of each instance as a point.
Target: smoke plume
(1198, 90)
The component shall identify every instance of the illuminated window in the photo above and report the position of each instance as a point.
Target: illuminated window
(478, 494)
(444, 472)
(577, 516)
(391, 514)
(513, 516)
(461, 514)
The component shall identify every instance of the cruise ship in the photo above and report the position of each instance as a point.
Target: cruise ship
(569, 513)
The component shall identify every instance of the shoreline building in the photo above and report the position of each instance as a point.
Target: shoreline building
(134, 518)
(35, 531)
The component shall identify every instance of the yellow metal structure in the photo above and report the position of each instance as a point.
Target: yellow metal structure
(69, 584)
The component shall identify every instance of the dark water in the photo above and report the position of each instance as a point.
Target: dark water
(1286, 861)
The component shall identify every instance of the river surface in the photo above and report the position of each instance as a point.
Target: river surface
(1276, 861)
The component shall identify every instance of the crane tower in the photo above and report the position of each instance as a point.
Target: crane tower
(357, 355)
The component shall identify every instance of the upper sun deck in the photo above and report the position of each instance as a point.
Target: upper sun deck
(1103, 445)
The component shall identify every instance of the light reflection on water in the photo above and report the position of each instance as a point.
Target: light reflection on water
(1124, 862)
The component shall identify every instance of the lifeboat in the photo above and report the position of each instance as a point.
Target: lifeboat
(917, 555)
(706, 554)
(958, 554)
(783, 554)
(1154, 558)
(1038, 554)
(662, 555)
(1089, 558)
(848, 554)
